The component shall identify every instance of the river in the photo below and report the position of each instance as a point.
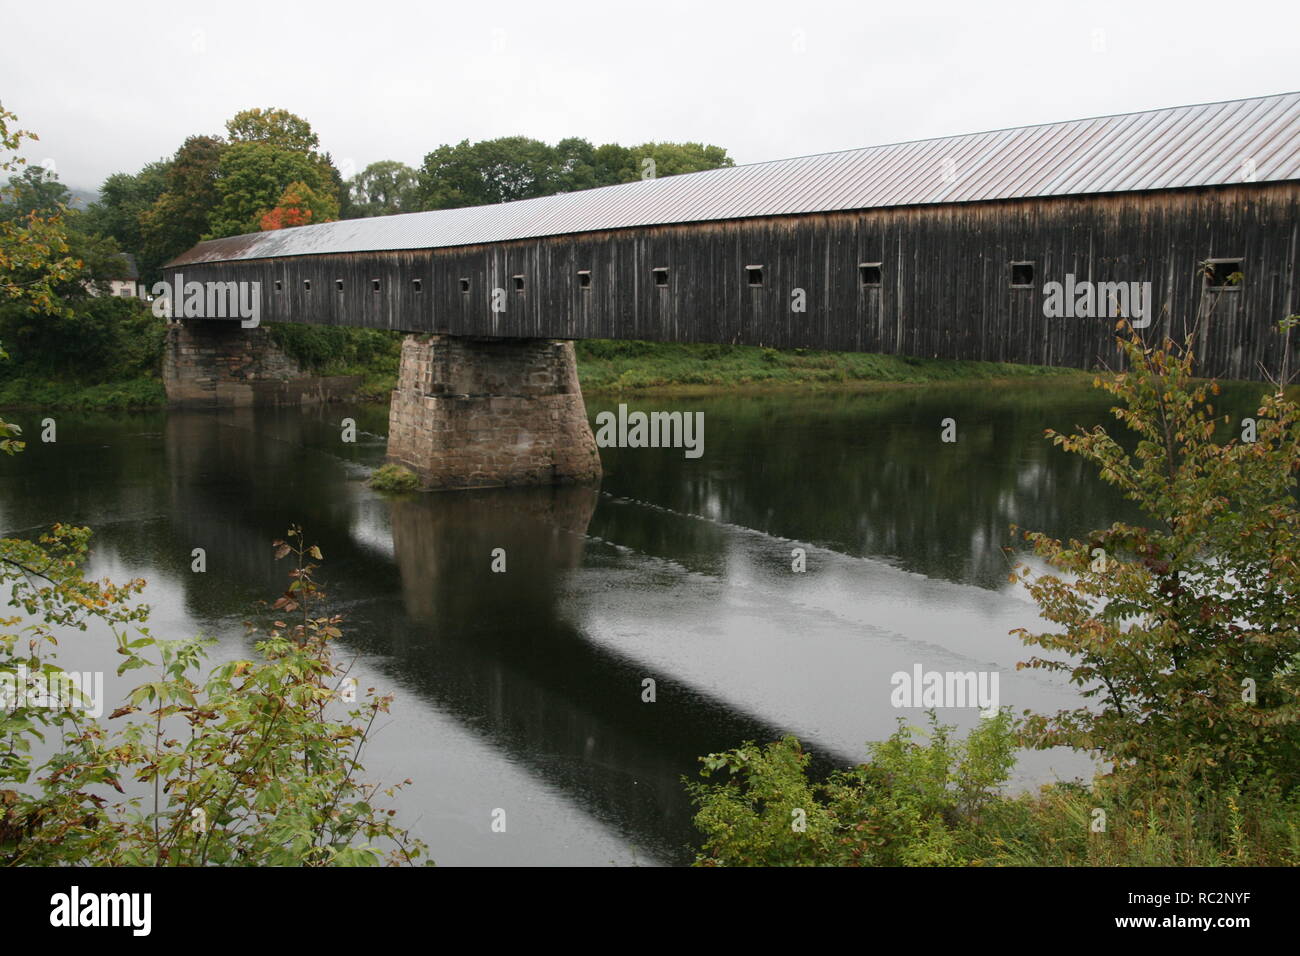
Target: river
(523, 691)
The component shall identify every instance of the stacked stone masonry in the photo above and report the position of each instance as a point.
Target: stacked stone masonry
(477, 413)
(211, 363)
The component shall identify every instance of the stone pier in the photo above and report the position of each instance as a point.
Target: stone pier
(481, 413)
(211, 363)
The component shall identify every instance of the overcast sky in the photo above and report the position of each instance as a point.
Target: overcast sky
(109, 86)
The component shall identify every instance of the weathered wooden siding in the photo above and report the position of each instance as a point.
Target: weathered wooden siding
(945, 292)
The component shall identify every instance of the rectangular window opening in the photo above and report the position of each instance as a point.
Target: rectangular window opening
(519, 283)
(417, 285)
(661, 276)
(754, 274)
(338, 285)
(464, 285)
(278, 285)
(870, 273)
(374, 285)
(306, 285)
(1224, 274)
(1022, 275)
(584, 278)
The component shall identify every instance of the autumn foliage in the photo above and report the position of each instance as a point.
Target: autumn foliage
(298, 206)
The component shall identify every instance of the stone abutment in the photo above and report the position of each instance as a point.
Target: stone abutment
(211, 363)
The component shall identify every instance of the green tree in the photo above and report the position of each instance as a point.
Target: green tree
(656, 160)
(1184, 634)
(34, 254)
(252, 178)
(179, 217)
(268, 150)
(487, 172)
(382, 189)
(576, 166)
(274, 127)
(35, 192)
(124, 199)
(516, 167)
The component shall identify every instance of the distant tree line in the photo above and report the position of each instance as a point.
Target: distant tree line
(268, 172)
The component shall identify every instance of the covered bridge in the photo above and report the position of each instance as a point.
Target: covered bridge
(1016, 245)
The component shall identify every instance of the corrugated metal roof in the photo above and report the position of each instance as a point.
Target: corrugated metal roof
(1204, 145)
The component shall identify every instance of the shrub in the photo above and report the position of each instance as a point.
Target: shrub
(1186, 633)
(394, 479)
(257, 763)
(909, 805)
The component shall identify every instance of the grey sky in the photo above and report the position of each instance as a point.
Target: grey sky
(111, 86)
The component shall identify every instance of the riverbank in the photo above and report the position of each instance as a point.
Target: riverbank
(614, 366)
(29, 392)
(604, 367)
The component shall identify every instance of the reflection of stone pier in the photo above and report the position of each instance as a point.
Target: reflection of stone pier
(482, 413)
(505, 656)
(502, 652)
(444, 547)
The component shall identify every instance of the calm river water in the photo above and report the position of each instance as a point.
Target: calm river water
(522, 691)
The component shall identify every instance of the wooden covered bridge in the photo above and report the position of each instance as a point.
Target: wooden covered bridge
(1018, 245)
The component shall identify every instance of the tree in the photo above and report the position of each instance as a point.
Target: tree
(576, 166)
(299, 205)
(382, 189)
(35, 192)
(33, 246)
(516, 167)
(655, 160)
(252, 179)
(33, 257)
(275, 127)
(179, 217)
(269, 150)
(1185, 634)
(124, 199)
(487, 172)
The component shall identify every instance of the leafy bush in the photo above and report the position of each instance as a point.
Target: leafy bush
(910, 805)
(939, 803)
(1185, 633)
(1110, 825)
(255, 763)
(99, 339)
(336, 349)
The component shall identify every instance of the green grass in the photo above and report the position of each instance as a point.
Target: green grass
(131, 393)
(394, 479)
(615, 366)
(603, 366)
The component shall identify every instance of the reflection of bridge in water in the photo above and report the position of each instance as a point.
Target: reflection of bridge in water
(533, 662)
(490, 649)
(680, 573)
